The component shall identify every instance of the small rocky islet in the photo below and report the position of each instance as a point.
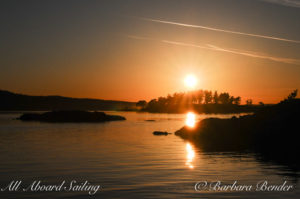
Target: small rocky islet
(70, 116)
(161, 133)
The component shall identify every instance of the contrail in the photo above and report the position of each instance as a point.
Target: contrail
(238, 52)
(291, 3)
(256, 55)
(232, 51)
(219, 30)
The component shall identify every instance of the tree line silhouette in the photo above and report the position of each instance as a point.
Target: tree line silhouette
(199, 100)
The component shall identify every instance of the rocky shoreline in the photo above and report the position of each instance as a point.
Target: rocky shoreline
(271, 131)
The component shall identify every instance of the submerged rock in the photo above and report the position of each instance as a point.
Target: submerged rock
(160, 133)
(70, 116)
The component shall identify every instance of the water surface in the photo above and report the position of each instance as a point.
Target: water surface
(126, 159)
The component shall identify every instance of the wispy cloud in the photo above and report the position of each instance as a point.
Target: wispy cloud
(252, 54)
(220, 30)
(291, 3)
(138, 37)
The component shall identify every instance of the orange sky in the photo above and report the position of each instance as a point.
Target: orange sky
(87, 51)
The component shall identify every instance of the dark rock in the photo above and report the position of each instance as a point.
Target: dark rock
(70, 116)
(160, 133)
(271, 132)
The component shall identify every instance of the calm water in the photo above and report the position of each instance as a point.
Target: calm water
(126, 160)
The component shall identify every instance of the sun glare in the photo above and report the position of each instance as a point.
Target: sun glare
(190, 119)
(190, 81)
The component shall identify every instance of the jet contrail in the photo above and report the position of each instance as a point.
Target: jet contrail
(291, 3)
(238, 52)
(219, 30)
(216, 48)
(256, 55)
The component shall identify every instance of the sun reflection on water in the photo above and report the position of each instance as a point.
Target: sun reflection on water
(190, 119)
(190, 154)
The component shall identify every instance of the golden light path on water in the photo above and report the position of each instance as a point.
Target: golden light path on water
(190, 119)
(190, 154)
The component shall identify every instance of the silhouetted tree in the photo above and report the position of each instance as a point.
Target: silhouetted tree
(249, 102)
(224, 98)
(162, 101)
(170, 99)
(237, 100)
(177, 101)
(194, 98)
(293, 95)
(152, 102)
(200, 96)
(216, 98)
(207, 96)
(141, 103)
(231, 100)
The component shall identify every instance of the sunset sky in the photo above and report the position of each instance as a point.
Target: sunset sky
(134, 49)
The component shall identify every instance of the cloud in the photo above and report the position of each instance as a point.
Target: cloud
(291, 3)
(138, 37)
(220, 30)
(252, 54)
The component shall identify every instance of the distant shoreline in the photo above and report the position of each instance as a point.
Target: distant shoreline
(18, 102)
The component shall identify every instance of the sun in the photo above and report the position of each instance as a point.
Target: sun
(190, 81)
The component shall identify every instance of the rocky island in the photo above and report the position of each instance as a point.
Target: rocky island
(272, 132)
(161, 133)
(70, 116)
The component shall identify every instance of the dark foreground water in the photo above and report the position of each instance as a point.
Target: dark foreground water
(126, 160)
